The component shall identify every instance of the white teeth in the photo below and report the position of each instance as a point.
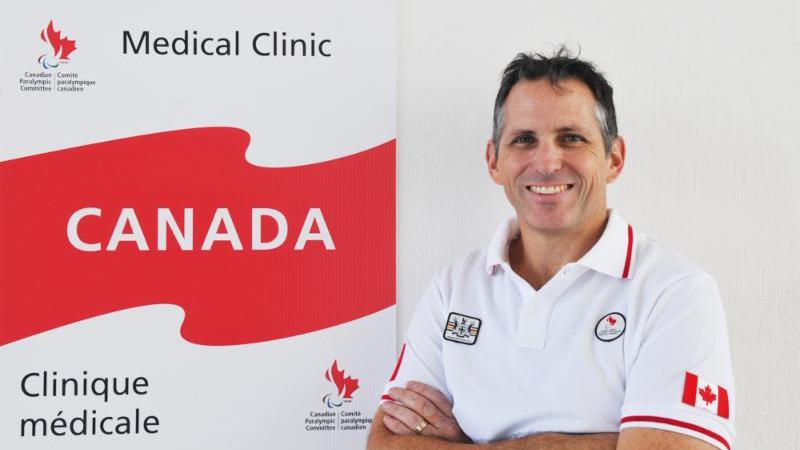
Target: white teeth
(547, 190)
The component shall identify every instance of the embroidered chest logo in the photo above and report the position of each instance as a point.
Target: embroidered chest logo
(462, 329)
(610, 327)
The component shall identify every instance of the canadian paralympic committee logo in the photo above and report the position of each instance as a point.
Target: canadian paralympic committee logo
(336, 418)
(52, 76)
(345, 386)
(62, 47)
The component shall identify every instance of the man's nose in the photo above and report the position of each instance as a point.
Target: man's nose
(547, 158)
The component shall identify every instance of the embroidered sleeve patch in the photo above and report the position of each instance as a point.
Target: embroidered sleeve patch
(462, 329)
(699, 393)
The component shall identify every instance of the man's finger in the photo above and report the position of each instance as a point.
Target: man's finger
(434, 395)
(395, 426)
(420, 405)
(406, 416)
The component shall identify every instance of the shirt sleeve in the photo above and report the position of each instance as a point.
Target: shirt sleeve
(421, 354)
(681, 378)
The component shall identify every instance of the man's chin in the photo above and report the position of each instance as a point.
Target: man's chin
(546, 223)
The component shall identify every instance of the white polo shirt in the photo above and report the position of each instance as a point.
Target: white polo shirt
(631, 335)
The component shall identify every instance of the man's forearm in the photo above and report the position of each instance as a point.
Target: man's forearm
(556, 441)
(380, 438)
(395, 442)
(537, 442)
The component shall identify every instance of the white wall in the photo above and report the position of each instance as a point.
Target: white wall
(707, 98)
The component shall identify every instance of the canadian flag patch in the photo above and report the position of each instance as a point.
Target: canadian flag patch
(701, 394)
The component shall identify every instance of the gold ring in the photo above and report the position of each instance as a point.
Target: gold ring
(421, 426)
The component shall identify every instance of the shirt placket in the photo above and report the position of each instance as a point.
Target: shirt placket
(537, 306)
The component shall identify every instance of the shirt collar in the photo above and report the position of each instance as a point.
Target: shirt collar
(497, 253)
(613, 254)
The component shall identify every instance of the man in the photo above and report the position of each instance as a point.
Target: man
(572, 330)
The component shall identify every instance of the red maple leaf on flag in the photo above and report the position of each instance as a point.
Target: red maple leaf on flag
(346, 385)
(707, 395)
(612, 320)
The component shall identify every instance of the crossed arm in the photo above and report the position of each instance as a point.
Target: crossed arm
(421, 407)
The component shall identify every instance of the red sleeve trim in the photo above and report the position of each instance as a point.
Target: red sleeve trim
(399, 361)
(628, 254)
(678, 423)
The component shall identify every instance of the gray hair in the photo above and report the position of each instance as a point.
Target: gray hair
(561, 66)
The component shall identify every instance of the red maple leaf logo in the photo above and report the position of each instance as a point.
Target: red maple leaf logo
(612, 320)
(62, 47)
(707, 395)
(346, 385)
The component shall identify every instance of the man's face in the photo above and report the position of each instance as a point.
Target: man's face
(551, 160)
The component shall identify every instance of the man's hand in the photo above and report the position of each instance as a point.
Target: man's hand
(421, 409)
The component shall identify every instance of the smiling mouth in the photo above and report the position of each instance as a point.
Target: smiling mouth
(549, 190)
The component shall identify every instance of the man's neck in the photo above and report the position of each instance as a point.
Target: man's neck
(537, 256)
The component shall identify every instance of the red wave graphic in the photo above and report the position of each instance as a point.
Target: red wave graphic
(229, 296)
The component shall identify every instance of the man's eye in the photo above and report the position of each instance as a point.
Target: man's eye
(573, 138)
(524, 139)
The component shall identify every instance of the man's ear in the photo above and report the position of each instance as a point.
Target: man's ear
(616, 159)
(491, 161)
